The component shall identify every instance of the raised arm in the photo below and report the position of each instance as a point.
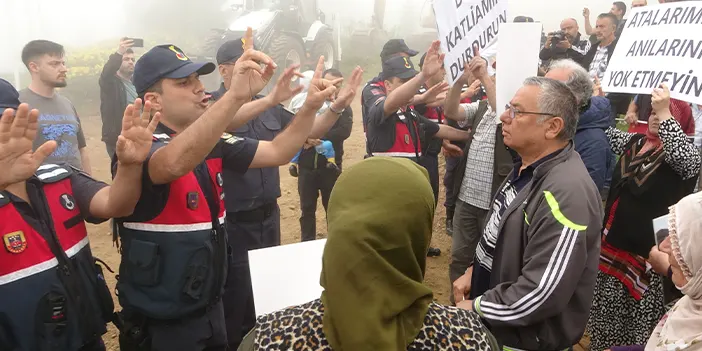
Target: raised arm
(114, 62)
(17, 132)
(588, 25)
(282, 149)
(186, 151)
(326, 121)
(680, 154)
(133, 147)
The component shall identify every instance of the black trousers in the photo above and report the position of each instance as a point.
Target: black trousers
(451, 196)
(310, 184)
(431, 164)
(238, 299)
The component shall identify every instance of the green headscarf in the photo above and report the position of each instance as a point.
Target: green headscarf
(380, 223)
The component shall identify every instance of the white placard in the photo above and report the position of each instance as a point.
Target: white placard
(285, 276)
(660, 44)
(463, 24)
(517, 59)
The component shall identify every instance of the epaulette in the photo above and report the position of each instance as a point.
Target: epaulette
(51, 173)
(231, 139)
(164, 138)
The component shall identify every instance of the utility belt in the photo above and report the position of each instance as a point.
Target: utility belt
(256, 215)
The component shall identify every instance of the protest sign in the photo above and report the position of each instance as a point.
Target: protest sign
(660, 44)
(464, 24)
(517, 40)
(285, 276)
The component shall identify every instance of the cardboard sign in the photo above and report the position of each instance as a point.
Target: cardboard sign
(464, 24)
(522, 41)
(660, 44)
(285, 276)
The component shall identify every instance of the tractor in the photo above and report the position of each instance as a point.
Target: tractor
(290, 31)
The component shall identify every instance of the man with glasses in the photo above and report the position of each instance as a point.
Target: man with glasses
(536, 263)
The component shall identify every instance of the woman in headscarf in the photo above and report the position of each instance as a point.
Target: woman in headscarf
(680, 258)
(640, 112)
(380, 223)
(655, 171)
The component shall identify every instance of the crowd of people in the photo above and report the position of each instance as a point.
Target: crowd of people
(549, 205)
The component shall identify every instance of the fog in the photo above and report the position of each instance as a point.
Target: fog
(81, 23)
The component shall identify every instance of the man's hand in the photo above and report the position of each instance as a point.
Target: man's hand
(660, 101)
(597, 88)
(631, 118)
(283, 90)
(478, 66)
(349, 90)
(310, 143)
(564, 44)
(462, 286)
(134, 143)
(432, 94)
(249, 77)
(320, 90)
(124, 44)
(586, 12)
(450, 150)
(465, 304)
(471, 90)
(549, 39)
(17, 132)
(434, 61)
(659, 261)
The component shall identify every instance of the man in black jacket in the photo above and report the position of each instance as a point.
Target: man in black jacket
(573, 45)
(314, 175)
(116, 91)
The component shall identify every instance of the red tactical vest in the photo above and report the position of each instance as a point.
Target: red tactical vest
(404, 142)
(30, 272)
(174, 264)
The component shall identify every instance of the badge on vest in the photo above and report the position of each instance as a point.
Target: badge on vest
(407, 139)
(193, 200)
(68, 202)
(220, 181)
(15, 242)
(230, 139)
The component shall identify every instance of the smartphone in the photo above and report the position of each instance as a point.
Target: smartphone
(660, 229)
(137, 42)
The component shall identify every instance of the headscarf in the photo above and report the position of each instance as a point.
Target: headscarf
(380, 219)
(681, 328)
(680, 110)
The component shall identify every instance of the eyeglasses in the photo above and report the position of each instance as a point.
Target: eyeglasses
(513, 112)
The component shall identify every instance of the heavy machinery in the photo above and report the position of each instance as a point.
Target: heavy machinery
(290, 31)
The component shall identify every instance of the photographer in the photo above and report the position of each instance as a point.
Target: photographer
(565, 43)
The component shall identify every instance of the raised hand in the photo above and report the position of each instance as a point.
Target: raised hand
(431, 95)
(349, 90)
(478, 65)
(320, 89)
(660, 102)
(434, 60)
(124, 44)
(597, 88)
(283, 90)
(471, 91)
(17, 133)
(134, 143)
(586, 12)
(249, 77)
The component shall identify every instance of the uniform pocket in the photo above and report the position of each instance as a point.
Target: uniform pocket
(144, 263)
(271, 122)
(196, 273)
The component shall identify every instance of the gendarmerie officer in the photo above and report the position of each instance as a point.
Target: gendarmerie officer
(253, 216)
(174, 247)
(54, 295)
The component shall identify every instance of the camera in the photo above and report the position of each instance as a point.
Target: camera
(558, 36)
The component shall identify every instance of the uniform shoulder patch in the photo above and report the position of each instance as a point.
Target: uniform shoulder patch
(379, 100)
(51, 173)
(231, 139)
(164, 138)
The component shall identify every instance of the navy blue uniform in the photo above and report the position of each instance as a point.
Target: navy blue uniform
(253, 220)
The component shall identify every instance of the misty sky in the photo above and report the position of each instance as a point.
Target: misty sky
(83, 22)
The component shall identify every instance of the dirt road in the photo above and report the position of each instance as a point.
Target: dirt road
(101, 237)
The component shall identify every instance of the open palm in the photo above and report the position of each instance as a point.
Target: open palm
(249, 77)
(17, 131)
(134, 143)
(320, 90)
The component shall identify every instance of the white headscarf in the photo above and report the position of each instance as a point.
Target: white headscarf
(681, 328)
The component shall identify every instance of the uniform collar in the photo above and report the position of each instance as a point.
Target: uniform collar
(162, 129)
